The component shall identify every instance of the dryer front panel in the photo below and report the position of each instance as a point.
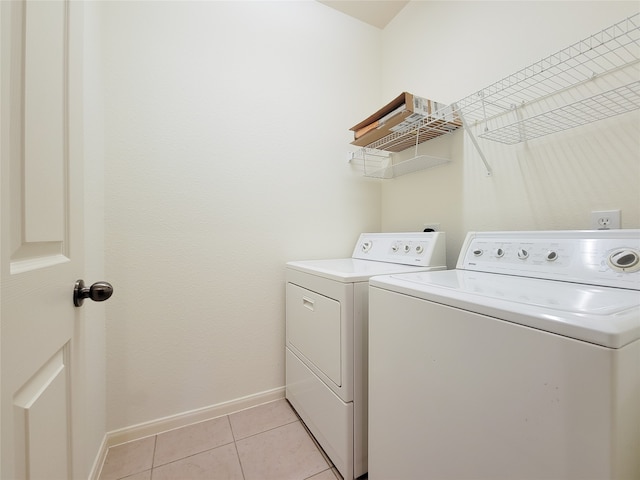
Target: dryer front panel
(313, 329)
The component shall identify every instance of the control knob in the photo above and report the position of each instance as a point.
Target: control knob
(625, 260)
(522, 254)
(499, 252)
(551, 256)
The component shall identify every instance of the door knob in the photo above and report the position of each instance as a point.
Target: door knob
(98, 292)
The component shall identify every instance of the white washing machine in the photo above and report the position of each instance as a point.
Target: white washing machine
(523, 362)
(326, 337)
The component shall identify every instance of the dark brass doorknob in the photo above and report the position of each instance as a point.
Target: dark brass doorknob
(98, 292)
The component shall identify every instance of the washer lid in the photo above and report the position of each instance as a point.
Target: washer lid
(605, 316)
(353, 270)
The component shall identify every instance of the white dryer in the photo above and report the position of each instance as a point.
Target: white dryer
(523, 362)
(327, 339)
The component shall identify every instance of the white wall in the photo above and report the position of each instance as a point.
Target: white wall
(226, 128)
(554, 182)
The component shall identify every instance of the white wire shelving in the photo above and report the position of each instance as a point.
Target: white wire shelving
(591, 80)
(377, 157)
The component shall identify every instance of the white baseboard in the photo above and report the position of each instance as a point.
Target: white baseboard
(154, 427)
(94, 474)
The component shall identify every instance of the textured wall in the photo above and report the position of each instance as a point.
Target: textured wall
(226, 133)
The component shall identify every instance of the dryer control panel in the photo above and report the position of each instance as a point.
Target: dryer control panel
(599, 257)
(413, 248)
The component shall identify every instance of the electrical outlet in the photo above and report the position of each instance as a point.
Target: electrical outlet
(431, 227)
(605, 220)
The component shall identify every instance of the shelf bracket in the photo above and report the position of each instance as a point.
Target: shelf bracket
(474, 141)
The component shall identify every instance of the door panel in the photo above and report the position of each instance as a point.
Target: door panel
(44, 121)
(41, 241)
(40, 415)
(39, 157)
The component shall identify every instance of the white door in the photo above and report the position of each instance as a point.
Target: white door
(41, 234)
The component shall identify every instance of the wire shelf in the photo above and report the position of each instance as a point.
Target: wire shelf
(426, 129)
(612, 54)
(379, 163)
(369, 161)
(593, 79)
(411, 165)
(614, 102)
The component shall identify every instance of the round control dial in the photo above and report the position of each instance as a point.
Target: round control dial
(624, 260)
(499, 252)
(478, 252)
(551, 256)
(419, 249)
(407, 248)
(522, 254)
(366, 246)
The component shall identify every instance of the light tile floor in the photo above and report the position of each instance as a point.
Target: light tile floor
(261, 443)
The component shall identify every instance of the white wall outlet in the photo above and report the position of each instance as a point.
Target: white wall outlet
(605, 220)
(431, 227)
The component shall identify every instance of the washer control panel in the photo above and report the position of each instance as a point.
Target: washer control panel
(411, 248)
(598, 257)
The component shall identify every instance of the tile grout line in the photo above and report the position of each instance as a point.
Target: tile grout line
(318, 446)
(267, 430)
(235, 446)
(180, 459)
(296, 419)
(153, 458)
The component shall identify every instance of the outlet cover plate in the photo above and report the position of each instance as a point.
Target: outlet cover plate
(605, 220)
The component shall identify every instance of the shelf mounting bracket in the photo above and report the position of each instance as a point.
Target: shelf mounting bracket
(474, 140)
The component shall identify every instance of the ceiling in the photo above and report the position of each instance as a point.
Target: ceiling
(374, 12)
